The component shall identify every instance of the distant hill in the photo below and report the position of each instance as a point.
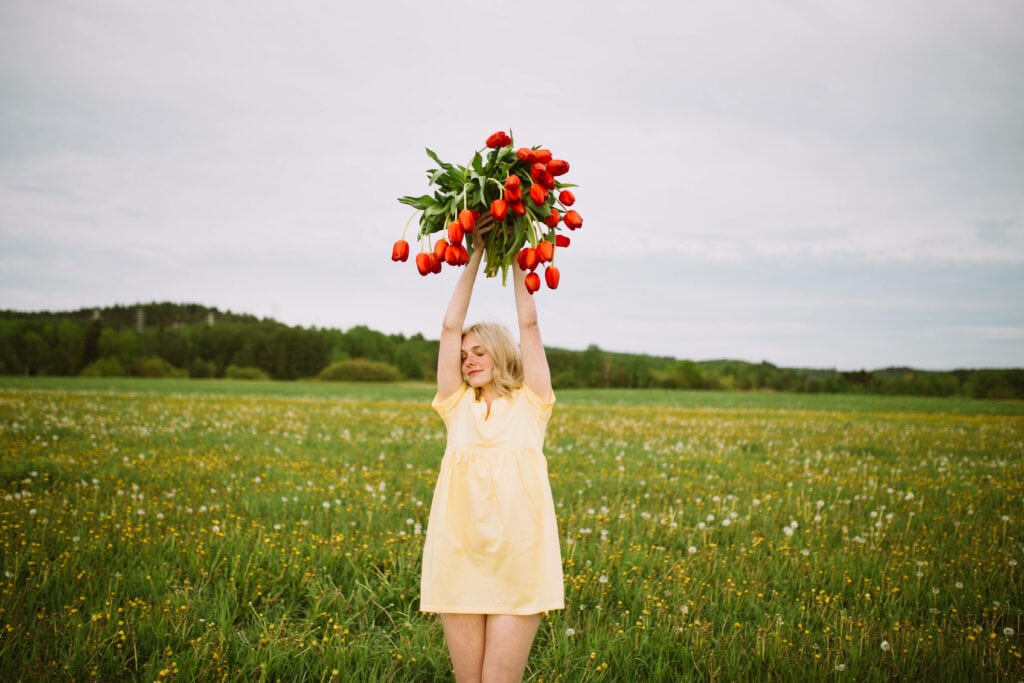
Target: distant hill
(163, 338)
(163, 314)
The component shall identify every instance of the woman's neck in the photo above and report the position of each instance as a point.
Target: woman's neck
(487, 393)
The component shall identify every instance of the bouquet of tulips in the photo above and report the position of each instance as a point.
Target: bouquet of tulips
(514, 198)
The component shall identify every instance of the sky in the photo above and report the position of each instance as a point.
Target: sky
(811, 184)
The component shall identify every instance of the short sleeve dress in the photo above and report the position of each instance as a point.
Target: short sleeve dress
(492, 539)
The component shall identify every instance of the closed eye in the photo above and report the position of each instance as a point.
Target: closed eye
(477, 351)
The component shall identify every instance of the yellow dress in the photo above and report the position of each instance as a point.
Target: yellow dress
(492, 539)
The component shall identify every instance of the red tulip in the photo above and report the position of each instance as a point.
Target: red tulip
(400, 252)
(543, 155)
(567, 197)
(439, 247)
(512, 181)
(455, 233)
(452, 256)
(463, 255)
(423, 263)
(545, 251)
(536, 170)
(499, 209)
(532, 282)
(527, 258)
(514, 194)
(499, 139)
(552, 219)
(467, 220)
(547, 180)
(561, 241)
(518, 208)
(435, 263)
(558, 167)
(552, 276)
(538, 195)
(526, 155)
(573, 220)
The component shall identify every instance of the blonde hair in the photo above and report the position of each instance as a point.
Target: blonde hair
(508, 366)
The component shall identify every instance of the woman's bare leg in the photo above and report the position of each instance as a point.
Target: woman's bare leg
(507, 646)
(465, 635)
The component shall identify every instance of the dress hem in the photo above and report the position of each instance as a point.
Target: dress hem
(489, 610)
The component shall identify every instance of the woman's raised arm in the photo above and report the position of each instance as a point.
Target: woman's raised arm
(536, 373)
(449, 354)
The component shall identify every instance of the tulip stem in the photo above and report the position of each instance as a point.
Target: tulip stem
(406, 228)
(501, 186)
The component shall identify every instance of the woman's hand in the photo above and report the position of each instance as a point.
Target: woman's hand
(482, 227)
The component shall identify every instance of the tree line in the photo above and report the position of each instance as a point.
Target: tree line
(189, 340)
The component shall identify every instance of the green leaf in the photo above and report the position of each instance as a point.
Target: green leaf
(422, 203)
(483, 190)
(443, 164)
(456, 173)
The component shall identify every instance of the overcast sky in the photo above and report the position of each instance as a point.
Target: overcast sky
(824, 184)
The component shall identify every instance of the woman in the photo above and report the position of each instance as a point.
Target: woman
(491, 560)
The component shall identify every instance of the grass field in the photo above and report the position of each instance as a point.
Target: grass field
(163, 530)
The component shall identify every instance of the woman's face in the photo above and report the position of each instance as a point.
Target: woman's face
(477, 364)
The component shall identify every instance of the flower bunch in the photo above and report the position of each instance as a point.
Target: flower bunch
(515, 197)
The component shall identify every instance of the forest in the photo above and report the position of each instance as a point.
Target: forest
(191, 340)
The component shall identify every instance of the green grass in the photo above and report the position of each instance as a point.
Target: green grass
(159, 530)
(421, 391)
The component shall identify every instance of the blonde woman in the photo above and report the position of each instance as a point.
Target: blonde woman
(491, 560)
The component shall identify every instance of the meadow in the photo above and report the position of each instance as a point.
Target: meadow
(160, 530)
